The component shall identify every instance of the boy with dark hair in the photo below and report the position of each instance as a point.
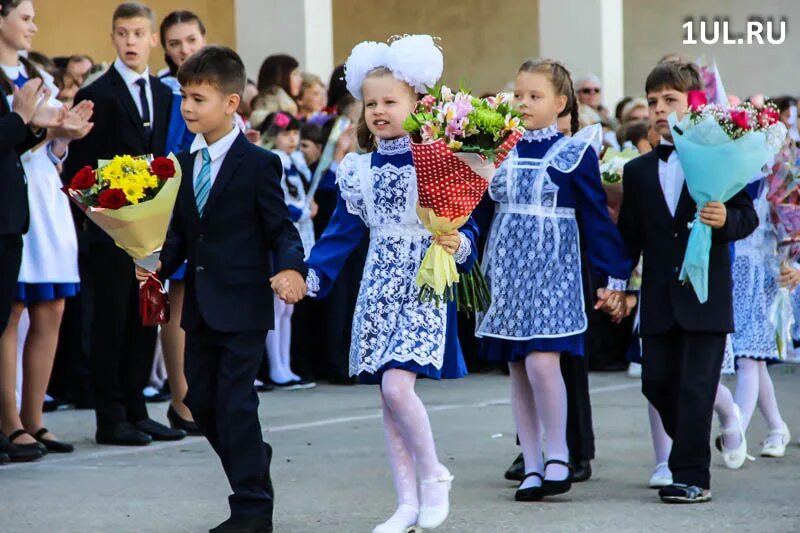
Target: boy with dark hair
(683, 341)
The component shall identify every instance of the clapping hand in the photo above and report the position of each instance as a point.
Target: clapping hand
(76, 123)
(613, 303)
(289, 285)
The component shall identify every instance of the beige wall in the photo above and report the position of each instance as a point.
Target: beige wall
(84, 26)
(484, 41)
(653, 28)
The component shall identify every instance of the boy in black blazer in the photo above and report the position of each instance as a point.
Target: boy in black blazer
(683, 341)
(131, 113)
(231, 223)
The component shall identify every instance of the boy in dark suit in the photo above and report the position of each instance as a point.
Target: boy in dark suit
(131, 113)
(683, 341)
(231, 223)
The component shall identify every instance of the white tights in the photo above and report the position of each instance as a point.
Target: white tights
(754, 387)
(279, 342)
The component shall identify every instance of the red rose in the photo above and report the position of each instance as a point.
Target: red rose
(740, 118)
(84, 179)
(112, 199)
(163, 167)
(697, 99)
(768, 116)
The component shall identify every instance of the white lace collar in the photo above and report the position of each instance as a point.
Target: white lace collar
(543, 134)
(394, 146)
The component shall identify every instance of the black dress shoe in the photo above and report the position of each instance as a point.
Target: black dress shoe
(531, 494)
(554, 488)
(682, 493)
(122, 434)
(581, 471)
(516, 472)
(178, 422)
(159, 431)
(245, 524)
(23, 453)
(53, 446)
(4, 458)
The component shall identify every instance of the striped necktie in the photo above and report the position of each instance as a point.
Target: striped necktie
(202, 184)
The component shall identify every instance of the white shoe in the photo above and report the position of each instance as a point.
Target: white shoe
(733, 458)
(772, 449)
(660, 481)
(635, 371)
(398, 523)
(433, 516)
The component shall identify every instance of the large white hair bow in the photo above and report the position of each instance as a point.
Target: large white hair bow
(414, 59)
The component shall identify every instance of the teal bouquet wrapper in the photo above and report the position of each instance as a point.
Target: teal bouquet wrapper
(716, 168)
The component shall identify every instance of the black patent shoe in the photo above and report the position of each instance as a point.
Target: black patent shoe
(682, 493)
(176, 421)
(159, 431)
(53, 446)
(516, 472)
(554, 488)
(531, 494)
(122, 434)
(245, 524)
(23, 453)
(581, 471)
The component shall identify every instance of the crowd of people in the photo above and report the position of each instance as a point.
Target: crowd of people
(342, 229)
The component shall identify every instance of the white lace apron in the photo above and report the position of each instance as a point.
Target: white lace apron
(389, 324)
(533, 255)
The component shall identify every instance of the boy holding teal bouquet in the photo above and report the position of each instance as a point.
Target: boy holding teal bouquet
(683, 340)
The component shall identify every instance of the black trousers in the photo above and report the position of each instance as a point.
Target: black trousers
(680, 375)
(10, 260)
(580, 433)
(220, 370)
(121, 348)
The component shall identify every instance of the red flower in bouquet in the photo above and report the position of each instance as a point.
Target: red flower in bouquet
(697, 99)
(740, 118)
(768, 116)
(112, 199)
(163, 167)
(85, 178)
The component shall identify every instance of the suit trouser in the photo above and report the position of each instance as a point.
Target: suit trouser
(580, 433)
(122, 348)
(220, 370)
(680, 375)
(10, 261)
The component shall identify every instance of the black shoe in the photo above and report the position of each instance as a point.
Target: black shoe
(122, 434)
(581, 471)
(682, 493)
(178, 422)
(4, 458)
(159, 431)
(554, 488)
(516, 472)
(245, 524)
(53, 446)
(23, 453)
(531, 494)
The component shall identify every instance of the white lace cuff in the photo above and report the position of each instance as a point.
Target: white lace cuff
(312, 283)
(615, 284)
(464, 250)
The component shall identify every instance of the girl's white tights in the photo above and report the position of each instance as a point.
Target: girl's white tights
(279, 342)
(754, 387)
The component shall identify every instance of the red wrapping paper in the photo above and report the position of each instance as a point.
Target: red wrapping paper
(153, 302)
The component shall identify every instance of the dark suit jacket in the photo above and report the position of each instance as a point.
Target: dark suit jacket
(118, 127)
(16, 138)
(648, 227)
(244, 236)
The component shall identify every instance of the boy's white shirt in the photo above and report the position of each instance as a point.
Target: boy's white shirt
(130, 77)
(671, 177)
(217, 151)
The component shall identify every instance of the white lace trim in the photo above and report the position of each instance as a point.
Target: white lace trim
(543, 134)
(394, 146)
(464, 250)
(615, 284)
(312, 283)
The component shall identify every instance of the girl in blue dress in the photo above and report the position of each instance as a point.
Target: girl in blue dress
(395, 338)
(544, 191)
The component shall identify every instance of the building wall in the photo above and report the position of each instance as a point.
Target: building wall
(68, 27)
(654, 28)
(484, 42)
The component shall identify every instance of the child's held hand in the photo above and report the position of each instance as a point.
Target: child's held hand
(790, 277)
(613, 303)
(449, 241)
(714, 214)
(289, 285)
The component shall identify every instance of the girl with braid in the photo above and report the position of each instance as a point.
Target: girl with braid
(547, 188)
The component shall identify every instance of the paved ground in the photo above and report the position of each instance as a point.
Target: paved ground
(331, 475)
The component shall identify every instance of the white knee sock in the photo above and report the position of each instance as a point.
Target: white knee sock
(403, 472)
(767, 401)
(277, 370)
(725, 408)
(523, 408)
(662, 444)
(746, 394)
(550, 398)
(286, 342)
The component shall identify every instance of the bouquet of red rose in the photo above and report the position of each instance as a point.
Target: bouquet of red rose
(131, 199)
(458, 142)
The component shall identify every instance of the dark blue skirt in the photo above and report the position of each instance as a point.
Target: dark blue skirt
(31, 293)
(506, 351)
